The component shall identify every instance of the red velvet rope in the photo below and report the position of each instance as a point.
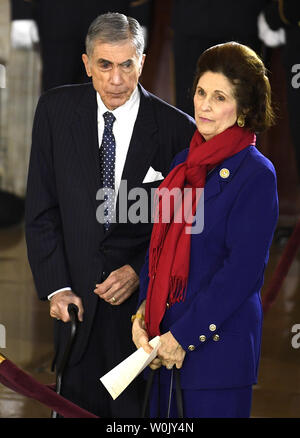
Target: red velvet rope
(22, 383)
(282, 268)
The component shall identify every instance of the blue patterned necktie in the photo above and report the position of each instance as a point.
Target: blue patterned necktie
(107, 167)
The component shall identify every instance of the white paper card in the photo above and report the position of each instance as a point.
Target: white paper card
(117, 379)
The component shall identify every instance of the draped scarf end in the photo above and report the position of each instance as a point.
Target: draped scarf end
(177, 290)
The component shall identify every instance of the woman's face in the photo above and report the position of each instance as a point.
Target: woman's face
(215, 104)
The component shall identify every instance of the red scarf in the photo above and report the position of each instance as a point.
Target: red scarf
(169, 252)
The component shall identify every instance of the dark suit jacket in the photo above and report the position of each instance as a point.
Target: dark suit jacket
(65, 18)
(217, 19)
(66, 244)
(286, 14)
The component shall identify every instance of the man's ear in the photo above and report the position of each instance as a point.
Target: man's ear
(142, 63)
(86, 62)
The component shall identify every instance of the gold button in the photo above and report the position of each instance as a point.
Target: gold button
(168, 305)
(202, 338)
(224, 173)
(212, 327)
(216, 337)
(192, 347)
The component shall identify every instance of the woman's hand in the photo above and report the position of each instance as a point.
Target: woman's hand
(140, 336)
(170, 351)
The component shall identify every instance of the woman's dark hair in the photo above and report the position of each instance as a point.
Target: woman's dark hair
(247, 73)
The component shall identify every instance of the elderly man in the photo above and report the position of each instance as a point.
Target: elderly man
(87, 137)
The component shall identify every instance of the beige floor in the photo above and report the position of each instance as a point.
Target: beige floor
(28, 326)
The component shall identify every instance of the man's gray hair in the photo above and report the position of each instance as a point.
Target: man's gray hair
(113, 27)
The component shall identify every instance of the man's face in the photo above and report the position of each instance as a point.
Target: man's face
(115, 70)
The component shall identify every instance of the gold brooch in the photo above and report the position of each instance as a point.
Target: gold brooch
(224, 173)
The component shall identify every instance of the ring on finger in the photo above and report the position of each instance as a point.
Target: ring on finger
(169, 367)
(113, 300)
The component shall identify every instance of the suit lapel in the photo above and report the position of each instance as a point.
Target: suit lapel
(85, 137)
(215, 182)
(142, 146)
(212, 186)
(215, 207)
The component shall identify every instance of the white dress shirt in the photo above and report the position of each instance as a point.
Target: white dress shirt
(122, 128)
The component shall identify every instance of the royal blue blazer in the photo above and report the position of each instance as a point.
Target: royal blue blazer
(219, 324)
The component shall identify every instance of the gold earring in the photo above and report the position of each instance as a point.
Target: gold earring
(241, 121)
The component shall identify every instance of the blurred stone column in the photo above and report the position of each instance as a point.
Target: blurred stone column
(23, 85)
(18, 103)
(4, 55)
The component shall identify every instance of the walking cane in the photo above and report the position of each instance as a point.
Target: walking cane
(73, 312)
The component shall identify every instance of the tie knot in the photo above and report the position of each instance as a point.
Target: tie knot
(109, 119)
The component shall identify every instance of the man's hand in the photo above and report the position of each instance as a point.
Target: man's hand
(170, 351)
(59, 305)
(118, 286)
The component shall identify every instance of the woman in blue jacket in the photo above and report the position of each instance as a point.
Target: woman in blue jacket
(200, 285)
